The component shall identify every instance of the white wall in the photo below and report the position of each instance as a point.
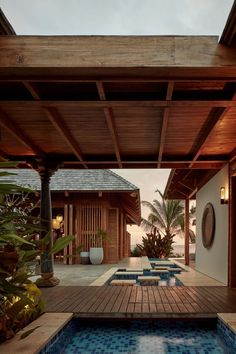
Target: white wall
(213, 261)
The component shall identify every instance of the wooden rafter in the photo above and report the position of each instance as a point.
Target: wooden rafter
(163, 135)
(110, 122)
(170, 88)
(32, 89)
(214, 117)
(61, 127)
(13, 128)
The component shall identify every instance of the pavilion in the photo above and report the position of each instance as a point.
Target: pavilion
(123, 102)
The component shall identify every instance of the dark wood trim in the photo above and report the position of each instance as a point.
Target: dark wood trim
(186, 232)
(214, 117)
(14, 129)
(55, 118)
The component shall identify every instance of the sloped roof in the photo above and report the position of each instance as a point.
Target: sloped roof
(74, 180)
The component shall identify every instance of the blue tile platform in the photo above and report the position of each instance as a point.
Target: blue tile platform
(95, 336)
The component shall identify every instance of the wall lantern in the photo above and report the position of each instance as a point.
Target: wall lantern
(59, 218)
(223, 199)
(56, 223)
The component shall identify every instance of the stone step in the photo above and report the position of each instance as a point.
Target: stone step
(162, 268)
(123, 282)
(174, 269)
(133, 270)
(160, 271)
(148, 278)
(162, 263)
(128, 273)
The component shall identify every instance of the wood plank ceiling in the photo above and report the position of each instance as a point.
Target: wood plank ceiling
(119, 102)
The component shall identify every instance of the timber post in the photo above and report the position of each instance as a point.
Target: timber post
(46, 169)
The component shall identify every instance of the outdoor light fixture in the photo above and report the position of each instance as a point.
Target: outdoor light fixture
(55, 224)
(59, 218)
(223, 199)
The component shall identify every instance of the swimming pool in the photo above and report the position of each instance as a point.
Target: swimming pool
(159, 278)
(146, 336)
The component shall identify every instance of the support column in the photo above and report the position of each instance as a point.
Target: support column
(232, 227)
(47, 278)
(186, 232)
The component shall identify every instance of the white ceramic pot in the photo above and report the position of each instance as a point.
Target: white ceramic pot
(96, 255)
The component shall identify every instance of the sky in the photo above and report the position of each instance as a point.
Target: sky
(121, 17)
(117, 17)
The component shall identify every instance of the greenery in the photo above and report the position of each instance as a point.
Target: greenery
(101, 235)
(20, 298)
(165, 220)
(154, 245)
(136, 252)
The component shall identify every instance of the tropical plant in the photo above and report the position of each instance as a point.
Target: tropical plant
(164, 215)
(155, 245)
(100, 235)
(20, 299)
(136, 252)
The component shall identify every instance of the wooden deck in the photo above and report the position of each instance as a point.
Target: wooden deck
(134, 301)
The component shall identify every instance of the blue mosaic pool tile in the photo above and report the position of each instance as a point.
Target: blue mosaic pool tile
(228, 335)
(136, 336)
(60, 341)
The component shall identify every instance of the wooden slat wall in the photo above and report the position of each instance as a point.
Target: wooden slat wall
(90, 219)
(113, 232)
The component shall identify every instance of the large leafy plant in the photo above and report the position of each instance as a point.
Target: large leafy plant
(20, 298)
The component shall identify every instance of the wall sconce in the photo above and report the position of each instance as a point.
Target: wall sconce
(55, 224)
(223, 199)
(59, 218)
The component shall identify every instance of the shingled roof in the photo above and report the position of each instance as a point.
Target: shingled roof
(74, 180)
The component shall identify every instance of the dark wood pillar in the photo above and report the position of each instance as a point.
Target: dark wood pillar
(186, 232)
(47, 276)
(232, 227)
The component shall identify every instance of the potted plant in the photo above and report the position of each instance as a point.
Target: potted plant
(96, 251)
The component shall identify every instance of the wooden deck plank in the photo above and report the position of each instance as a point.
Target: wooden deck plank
(110, 301)
(126, 300)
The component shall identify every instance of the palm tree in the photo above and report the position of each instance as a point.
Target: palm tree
(165, 215)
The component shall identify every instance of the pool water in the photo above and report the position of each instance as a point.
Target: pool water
(146, 337)
(166, 279)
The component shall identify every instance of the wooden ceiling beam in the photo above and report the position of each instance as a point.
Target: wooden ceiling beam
(137, 54)
(110, 78)
(207, 129)
(58, 123)
(14, 129)
(120, 103)
(110, 123)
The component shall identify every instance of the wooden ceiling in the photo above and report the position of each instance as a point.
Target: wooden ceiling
(119, 102)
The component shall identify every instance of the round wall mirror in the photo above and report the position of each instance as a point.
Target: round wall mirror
(208, 225)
